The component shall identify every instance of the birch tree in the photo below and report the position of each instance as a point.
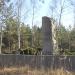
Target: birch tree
(72, 2)
(2, 4)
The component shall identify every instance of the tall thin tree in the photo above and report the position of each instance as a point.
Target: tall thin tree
(62, 3)
(72, 2)
(1, 35)
(19, 17)
(33, 13)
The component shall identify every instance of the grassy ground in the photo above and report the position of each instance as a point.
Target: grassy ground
(29, 71)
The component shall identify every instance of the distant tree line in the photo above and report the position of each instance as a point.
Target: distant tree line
(10, 38)
(66, 40)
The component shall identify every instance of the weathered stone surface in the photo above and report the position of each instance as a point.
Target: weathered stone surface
(54, 39)
(47, 36)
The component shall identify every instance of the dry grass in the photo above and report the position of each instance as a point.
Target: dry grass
(29, 71)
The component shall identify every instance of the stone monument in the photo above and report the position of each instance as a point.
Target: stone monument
(48, 35)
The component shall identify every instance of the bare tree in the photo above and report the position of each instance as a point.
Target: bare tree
(18, 25)
(58, 6)
(53, 7)
(19, 18)
(60, 16)
(69, 37)
(34, 7)
(1, 33)
(72, 2)
(2, 3)
(33, 14)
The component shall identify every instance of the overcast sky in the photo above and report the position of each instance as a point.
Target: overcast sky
(42, 9)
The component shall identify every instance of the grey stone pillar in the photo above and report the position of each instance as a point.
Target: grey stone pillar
(47, 36)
